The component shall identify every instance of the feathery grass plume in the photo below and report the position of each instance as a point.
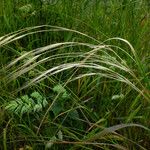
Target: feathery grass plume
(101, 59)
(101, 63)
(95, 88)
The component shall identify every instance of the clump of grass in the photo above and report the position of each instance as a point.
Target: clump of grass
(101, 60)
(96, 86)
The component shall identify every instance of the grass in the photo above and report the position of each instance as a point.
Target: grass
(90, 64)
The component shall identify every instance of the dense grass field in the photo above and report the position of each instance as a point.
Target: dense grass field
(75, 74)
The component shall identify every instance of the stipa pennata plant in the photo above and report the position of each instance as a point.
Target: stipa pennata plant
(101, 59)
(27, 104)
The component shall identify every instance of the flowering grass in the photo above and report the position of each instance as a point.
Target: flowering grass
(93, 74)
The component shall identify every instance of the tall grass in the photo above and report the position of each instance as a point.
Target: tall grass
(95, 82)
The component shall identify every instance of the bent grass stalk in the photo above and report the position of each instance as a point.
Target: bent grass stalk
(95, 48)
(101, 60)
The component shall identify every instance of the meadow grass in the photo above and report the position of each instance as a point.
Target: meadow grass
(89, 60)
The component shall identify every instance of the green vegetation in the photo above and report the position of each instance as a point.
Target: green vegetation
(74, 74)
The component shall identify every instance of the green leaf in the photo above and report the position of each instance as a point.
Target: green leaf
(57, 108)
(50, 143)
(37, 96)
(25, 9)
(25, 104)
(31, 102)
(18, 109)
(60, 135)
(73, 114)
(37, 108)
(59, 89)
(11, 106)
(24, 110)
(19, 101)
(45, 102)
(25, 98)
(65, 96)
(114, 97)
